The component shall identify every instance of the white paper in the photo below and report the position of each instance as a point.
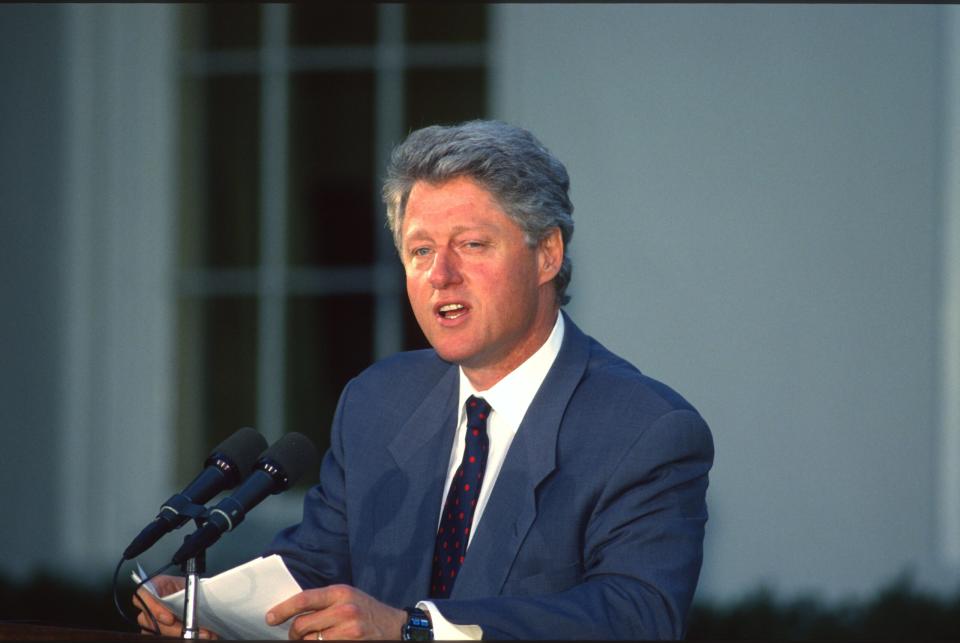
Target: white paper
(234, 604)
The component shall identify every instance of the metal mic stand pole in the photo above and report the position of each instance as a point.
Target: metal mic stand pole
(192, 568)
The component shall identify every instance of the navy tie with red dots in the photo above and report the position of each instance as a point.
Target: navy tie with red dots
(457, 518)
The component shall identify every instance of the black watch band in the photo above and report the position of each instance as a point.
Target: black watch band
(417, 627)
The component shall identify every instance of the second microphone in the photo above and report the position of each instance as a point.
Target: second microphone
(277, 470)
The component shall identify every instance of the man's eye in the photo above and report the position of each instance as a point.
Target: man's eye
(420, 252)
(474, 244)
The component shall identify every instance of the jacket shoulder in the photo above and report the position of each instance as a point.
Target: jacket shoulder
(612, 378)
(400, 378)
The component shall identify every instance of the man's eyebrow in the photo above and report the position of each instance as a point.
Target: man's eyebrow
(460, 229)
(418, 234)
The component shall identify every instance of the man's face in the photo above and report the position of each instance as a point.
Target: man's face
(480, 293)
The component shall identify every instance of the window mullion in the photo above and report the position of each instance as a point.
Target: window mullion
(271, 331)
(388, 130)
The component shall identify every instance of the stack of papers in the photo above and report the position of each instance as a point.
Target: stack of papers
(234, 604)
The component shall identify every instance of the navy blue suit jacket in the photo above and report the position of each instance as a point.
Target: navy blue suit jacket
(594, 528)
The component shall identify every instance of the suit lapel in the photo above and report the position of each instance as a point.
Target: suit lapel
(420, 449)
(512, 507)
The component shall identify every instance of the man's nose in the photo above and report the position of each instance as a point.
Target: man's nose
(444, 271)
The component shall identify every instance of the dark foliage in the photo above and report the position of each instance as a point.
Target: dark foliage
(897, 611)
(46, 600)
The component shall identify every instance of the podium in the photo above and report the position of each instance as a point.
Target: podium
(31, 632)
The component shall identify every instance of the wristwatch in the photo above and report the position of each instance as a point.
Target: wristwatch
(417, 627)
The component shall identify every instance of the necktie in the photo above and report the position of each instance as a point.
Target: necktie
(457, 518)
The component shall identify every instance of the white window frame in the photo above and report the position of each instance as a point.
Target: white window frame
(274, 280)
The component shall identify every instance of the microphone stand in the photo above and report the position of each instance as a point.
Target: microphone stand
(192, 568)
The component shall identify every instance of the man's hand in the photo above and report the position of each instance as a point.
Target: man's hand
(170, 625)
(338, 612)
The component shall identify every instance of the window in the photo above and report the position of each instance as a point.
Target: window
(288, 282)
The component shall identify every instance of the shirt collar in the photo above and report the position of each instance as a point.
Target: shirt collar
(511, 396)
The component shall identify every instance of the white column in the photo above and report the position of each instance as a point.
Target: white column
(119, 206)
(950, 294)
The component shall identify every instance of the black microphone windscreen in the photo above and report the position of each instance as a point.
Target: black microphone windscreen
(295, 454)
(242, 448)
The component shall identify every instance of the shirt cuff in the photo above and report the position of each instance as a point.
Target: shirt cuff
(444, 630)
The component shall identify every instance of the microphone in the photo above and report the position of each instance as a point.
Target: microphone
(278, 468)
(228, 464)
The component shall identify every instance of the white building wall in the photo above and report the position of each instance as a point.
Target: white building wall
(758, 210)
(764, 215)
(30, 266)
(118, 197)
(87, 197)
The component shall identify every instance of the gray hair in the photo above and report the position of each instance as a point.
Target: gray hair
(525, 179)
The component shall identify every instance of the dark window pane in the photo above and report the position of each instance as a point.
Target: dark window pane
(451, 22)
(413, 337)
(331, 184)
(445, 96)
(230, 331)
(228, 189)
(321, 23)
(192, 19)
(217, 374)
(232, 25)
(329, 341)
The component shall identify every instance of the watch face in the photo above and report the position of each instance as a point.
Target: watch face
(418, 627)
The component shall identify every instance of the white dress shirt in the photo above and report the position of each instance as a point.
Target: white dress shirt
(509, 400)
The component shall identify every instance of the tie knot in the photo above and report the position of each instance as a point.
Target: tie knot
(477, 410)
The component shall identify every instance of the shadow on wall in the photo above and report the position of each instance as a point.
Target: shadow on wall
(897, 611)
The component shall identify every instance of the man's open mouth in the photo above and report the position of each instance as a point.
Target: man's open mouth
(451, 311)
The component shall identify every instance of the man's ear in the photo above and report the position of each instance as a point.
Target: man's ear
(550, 255)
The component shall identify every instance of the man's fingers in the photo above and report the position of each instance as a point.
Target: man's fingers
(144, 600)
(341, 612)
(170, 626)
(310, 600)
(172, 630)
(168, 584)
(282, 611)
(307, 625)
(169, 623)
(166, 620)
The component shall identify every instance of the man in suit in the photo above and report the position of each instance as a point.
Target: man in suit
(518, 480)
